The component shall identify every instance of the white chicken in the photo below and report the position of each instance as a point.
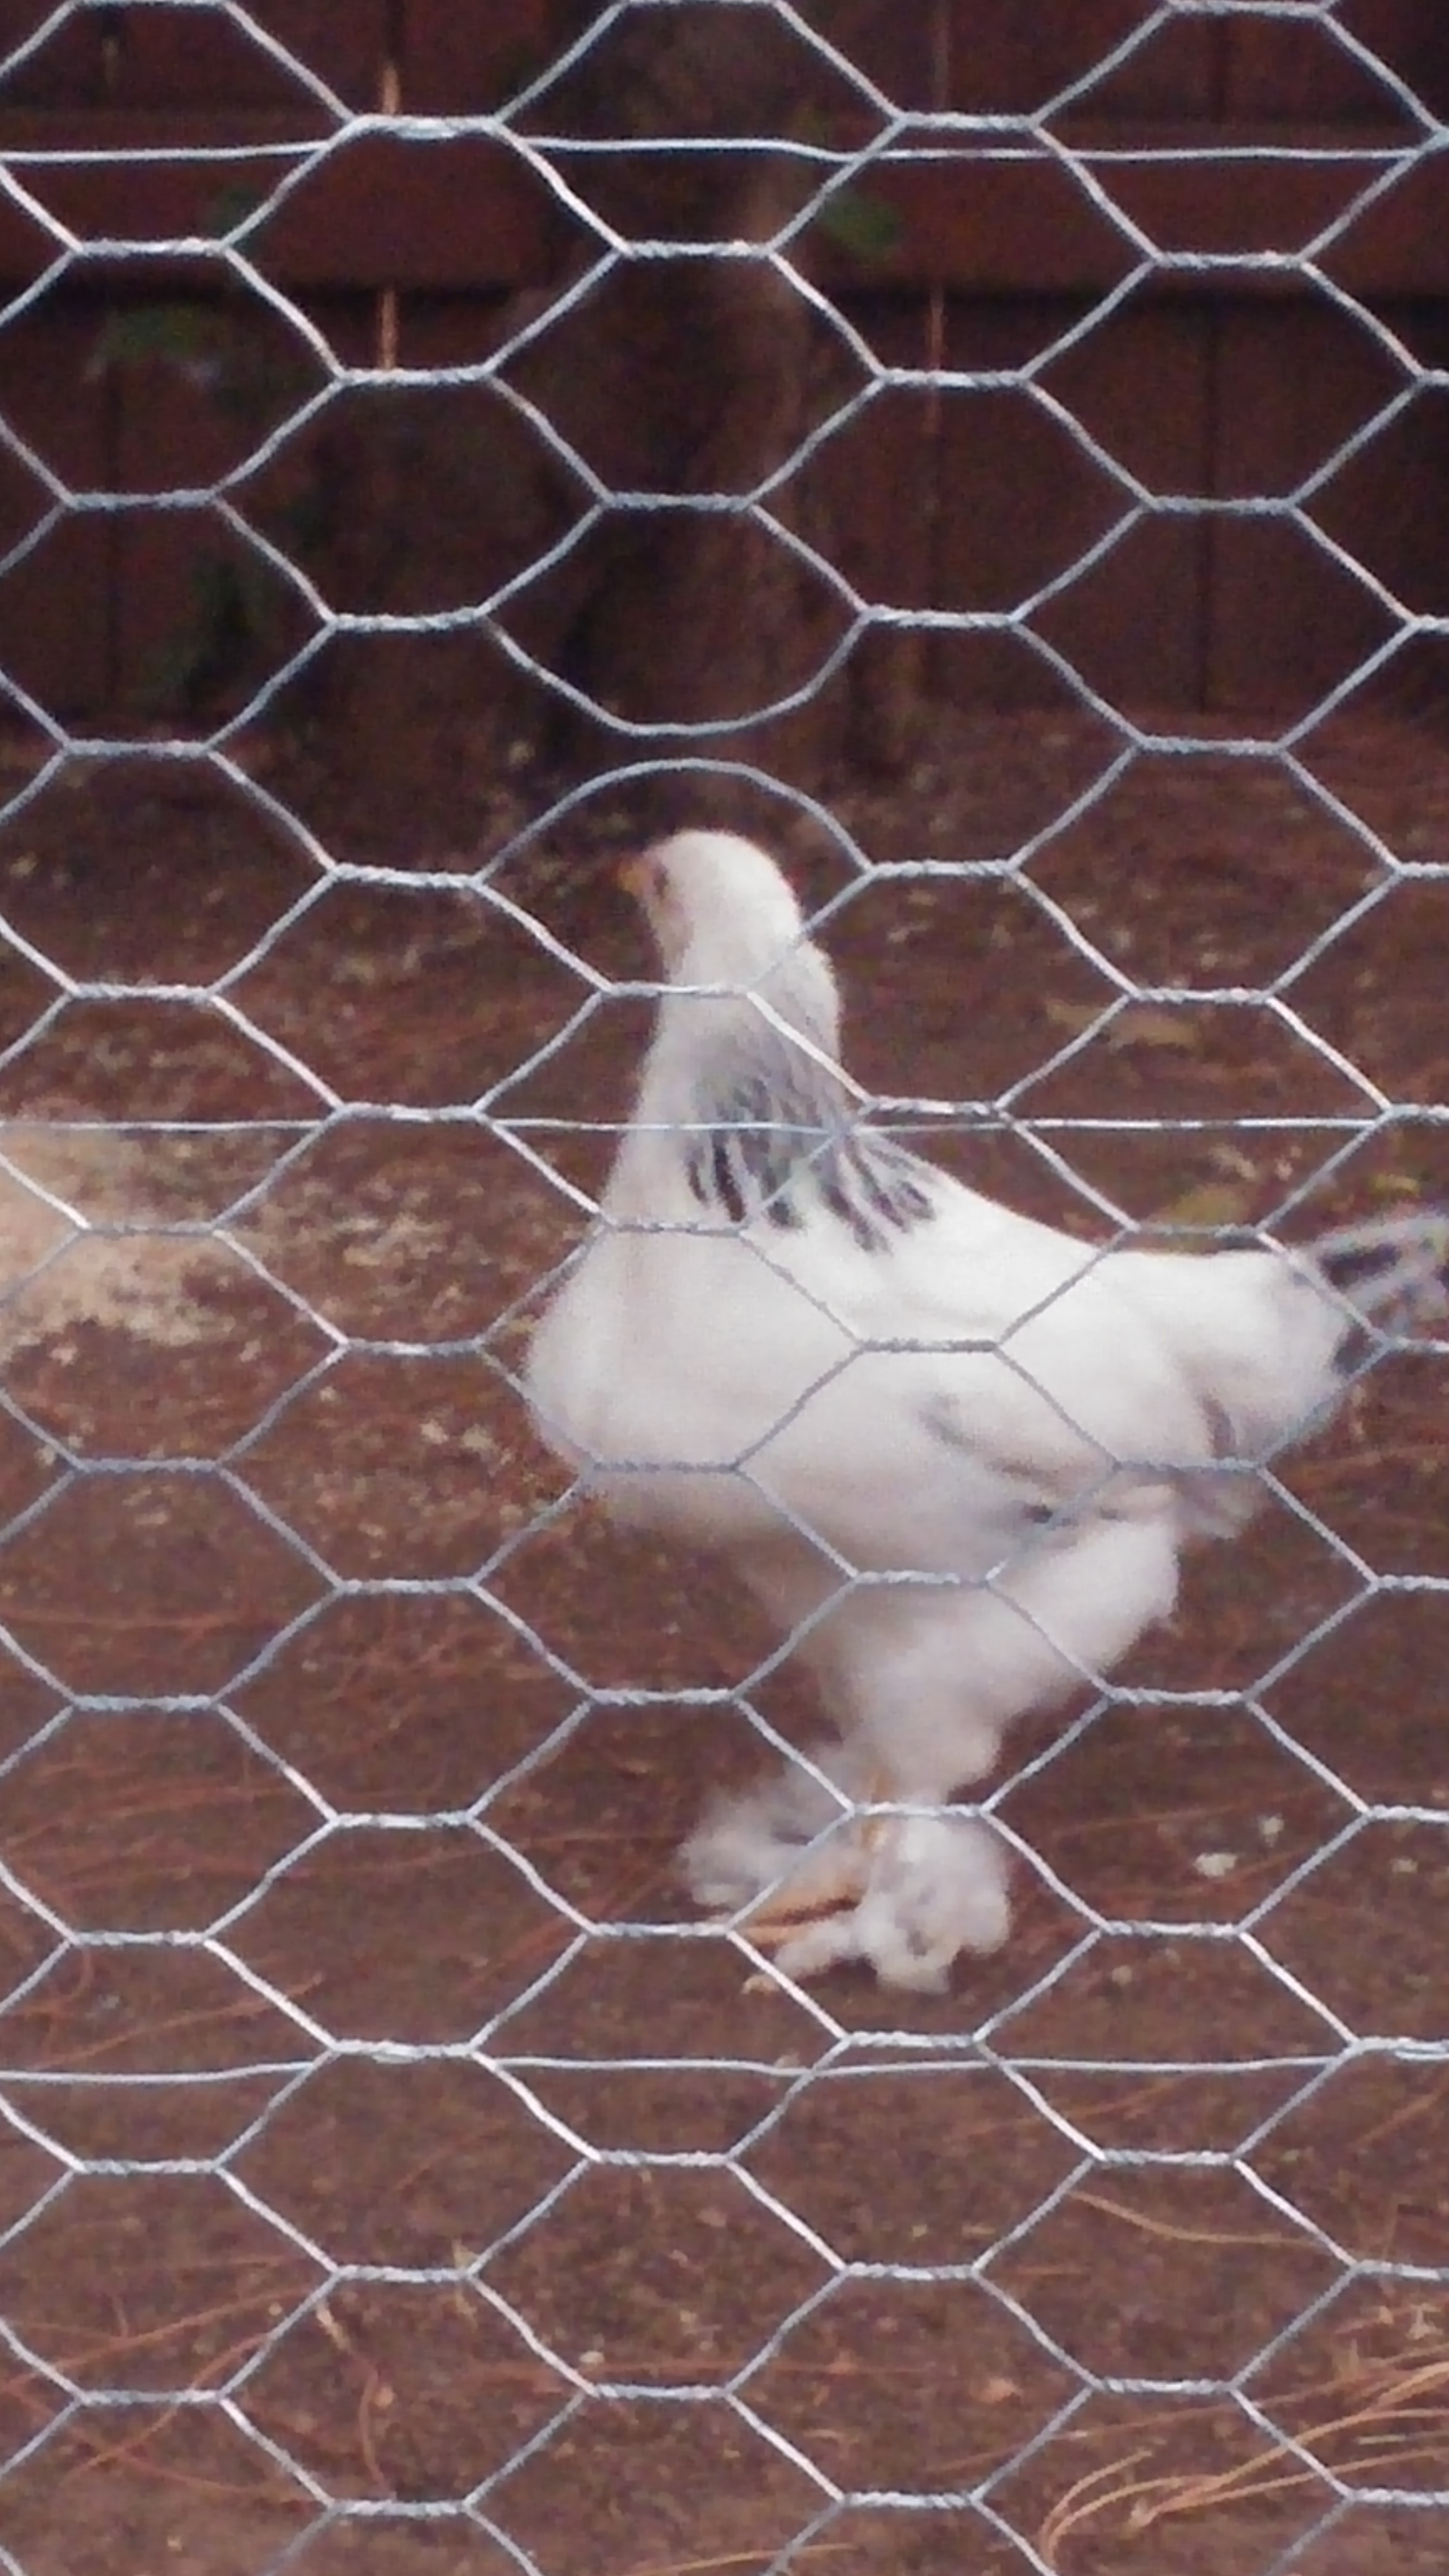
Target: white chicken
(955, 1454)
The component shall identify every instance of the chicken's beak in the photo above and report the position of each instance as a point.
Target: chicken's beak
(640, 879)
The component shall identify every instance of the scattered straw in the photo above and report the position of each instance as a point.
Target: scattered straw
(1393, 2408)
(1180, 2235)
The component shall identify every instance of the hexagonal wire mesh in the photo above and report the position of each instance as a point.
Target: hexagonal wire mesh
(390, 2163)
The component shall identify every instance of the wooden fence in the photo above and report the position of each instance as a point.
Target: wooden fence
(1222, 137)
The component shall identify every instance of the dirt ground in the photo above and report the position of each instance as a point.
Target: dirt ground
(393, 2182)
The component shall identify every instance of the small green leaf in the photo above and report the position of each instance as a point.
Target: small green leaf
(185, 335)
(231, 206)
(863, 226)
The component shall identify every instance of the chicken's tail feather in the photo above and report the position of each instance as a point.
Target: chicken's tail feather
(1392, 1275)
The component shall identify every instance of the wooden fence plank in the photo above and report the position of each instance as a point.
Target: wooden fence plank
(1002, 60)
(378, 210)
(1011, 60)
(1294, 382)
(28, 247)
(462, 62)
(975, 223)
(466, 211)
(1243, 201)
(894, 48)
(384, 211)
(217, 170)
(1298, 70)
(146, 57)
(967, 500)
(983, 226)
(1400, 244)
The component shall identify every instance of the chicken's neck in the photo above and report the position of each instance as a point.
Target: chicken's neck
(743, 1117)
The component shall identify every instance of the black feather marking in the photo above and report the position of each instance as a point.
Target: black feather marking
(914, 1203)
(726, 1186)
(835, 1196)
(1354, 1349)
(1385, 1276)
(1356, 1264)
(887, 1178)
(761, 1159)
(868, 1180)
(780, 1138)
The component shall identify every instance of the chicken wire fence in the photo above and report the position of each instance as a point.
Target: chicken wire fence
(106, 2381)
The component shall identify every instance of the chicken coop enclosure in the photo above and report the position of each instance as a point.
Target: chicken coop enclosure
(998, 455)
